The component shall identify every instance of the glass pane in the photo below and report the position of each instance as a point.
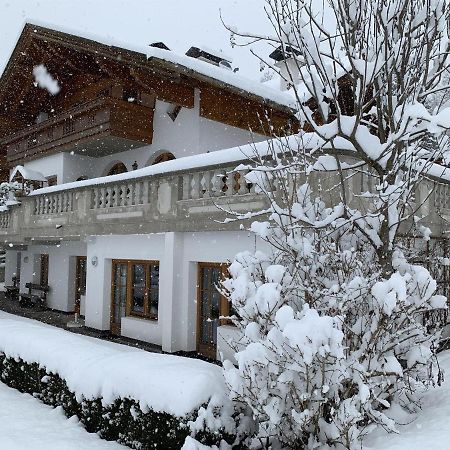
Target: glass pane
(205, 277)
(215, 307)
(206, 309)
(215, 277)
(154, 301)
(213, 335)
(82, 276)
(121, 275)
(120, 291)
(205, 332)
(138, 299)
(154, 276)
(154, 290)
(138, 288)
(138, 275)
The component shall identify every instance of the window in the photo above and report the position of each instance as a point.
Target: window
(130, 95)
(52, 181)
(138, 286)
(118, 168)
(163, 157)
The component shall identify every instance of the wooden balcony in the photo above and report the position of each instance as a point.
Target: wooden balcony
(96, 128)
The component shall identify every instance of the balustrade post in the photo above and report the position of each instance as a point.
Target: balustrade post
(186, 186)
(195, 186)
(205, 184)
(103, 197)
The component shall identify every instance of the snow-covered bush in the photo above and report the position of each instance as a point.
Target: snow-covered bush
(327, 343)
(8, 193)
(328, 319)
(140, 399)
(124, 420)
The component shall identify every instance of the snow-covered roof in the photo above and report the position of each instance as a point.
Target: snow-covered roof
(27, 174)
(193, 67)
(227, 77)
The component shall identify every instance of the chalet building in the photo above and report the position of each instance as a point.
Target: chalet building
(129, 150)
(132, 155)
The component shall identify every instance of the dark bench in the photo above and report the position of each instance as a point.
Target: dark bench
(12, 291)
(37, 295)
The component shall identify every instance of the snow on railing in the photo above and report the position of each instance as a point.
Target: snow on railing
(57, 203)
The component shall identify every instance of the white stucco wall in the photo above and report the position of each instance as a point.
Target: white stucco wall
(10, 266)
(188, 135)
(98, 281)
(61, 273)
(178, 254)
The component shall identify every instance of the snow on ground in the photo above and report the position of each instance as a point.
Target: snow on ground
(28, 424)
(94, 368)
(430, 430)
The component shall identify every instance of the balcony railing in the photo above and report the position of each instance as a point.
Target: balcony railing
(170, 201)
(189, 199)
(91, 122)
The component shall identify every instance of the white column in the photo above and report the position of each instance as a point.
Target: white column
(10, 266)
(170, 287)
(98, 291)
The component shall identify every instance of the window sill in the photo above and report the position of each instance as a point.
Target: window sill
(142, 317)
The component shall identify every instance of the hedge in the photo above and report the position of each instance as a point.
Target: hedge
(122, 421)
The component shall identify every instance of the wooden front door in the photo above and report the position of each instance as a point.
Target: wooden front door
(119, 295)
(80, 282)
(44, 269)
(209, 304)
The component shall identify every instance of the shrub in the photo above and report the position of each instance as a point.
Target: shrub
(122, 421)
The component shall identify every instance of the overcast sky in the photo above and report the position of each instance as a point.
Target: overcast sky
(179, 23)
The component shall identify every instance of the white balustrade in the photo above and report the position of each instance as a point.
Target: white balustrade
(442, 196)
(114, 195)
(214, 183)
(53, 203)
(201, 184)
(5, 219)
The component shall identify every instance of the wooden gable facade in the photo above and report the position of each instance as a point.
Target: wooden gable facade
(106, 99)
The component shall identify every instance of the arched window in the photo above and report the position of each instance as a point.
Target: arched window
(163, 157)
(117, 168)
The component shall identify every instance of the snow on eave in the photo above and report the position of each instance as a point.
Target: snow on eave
(228, 78)
(27, 174)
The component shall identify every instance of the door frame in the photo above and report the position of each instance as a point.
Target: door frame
(209, 350)
(114, 327)
(77, 283)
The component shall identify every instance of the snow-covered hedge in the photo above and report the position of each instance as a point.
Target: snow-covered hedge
(139, 399)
